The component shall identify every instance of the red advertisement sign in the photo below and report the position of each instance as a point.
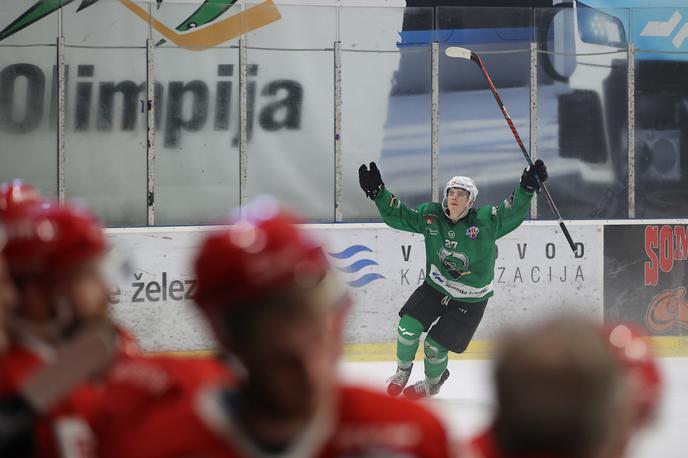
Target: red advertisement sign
(646, 276)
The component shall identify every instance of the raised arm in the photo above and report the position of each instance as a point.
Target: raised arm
(393, 212)
(514, 210)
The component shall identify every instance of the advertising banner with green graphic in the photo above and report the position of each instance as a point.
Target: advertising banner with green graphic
(190, 52)
(646, 276)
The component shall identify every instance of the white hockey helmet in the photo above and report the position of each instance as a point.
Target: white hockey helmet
(465, 183)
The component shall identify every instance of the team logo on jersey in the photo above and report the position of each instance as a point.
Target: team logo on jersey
(457, 264)
(428, 220)
(472, 232)
(451, 234)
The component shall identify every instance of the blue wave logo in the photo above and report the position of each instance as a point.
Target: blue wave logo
(353, 269)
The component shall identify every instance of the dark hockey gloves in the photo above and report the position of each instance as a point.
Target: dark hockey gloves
(528, 179)
(370, 180)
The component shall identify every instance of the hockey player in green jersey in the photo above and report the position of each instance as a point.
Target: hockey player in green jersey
(460, 253)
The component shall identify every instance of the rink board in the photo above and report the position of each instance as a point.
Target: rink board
(536, 275)
(665, 346)
(646, 276)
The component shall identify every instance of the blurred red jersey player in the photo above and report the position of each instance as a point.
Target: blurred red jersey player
(277, 308)
(54, 255)
(634, 351)
(15, 195)
(8, 296)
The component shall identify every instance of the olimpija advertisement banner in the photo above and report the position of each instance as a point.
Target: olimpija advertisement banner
(536, 274)
(194, 67)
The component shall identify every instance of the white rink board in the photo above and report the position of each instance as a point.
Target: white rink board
(536, 274)
(160, 324)
(528, 284)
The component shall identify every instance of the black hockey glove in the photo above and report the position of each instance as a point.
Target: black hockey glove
(370, 180)
(528, 179)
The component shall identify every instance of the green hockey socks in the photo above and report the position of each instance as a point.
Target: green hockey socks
(436, 360)
(408, 337)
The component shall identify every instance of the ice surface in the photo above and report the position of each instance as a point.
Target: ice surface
(466, 401)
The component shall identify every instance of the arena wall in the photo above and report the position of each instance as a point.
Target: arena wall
(536, 275)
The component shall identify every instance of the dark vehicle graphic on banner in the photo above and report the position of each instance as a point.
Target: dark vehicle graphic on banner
(582, 101)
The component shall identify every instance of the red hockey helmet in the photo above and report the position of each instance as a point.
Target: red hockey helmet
(264, 255)
(14, 195)
(50, 239)
(632, 347)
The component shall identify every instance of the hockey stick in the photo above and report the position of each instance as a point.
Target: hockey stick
(463, 53)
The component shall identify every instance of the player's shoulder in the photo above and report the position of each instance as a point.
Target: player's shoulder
(431, 209)
(367, 405)
(159, 373)
(128, 344)
(138, 379)
(140, 427)
(18, 354)
(486, 212)
(373, 420)
(16, 364)
(139, 383)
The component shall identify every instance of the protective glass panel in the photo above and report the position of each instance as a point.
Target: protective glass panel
(386, 115)
(661, 112)
(105, 136)
(291, 110)
(475, 139)
(582, 111)
(197, 113)
(646, 274)
(28, 96)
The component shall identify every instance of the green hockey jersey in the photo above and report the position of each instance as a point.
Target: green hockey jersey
(459, 257)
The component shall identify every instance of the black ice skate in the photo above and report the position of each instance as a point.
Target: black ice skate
(398, 381)
(423, 389)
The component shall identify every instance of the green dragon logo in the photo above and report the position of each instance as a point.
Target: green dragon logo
(198, 31)
(457, 264)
